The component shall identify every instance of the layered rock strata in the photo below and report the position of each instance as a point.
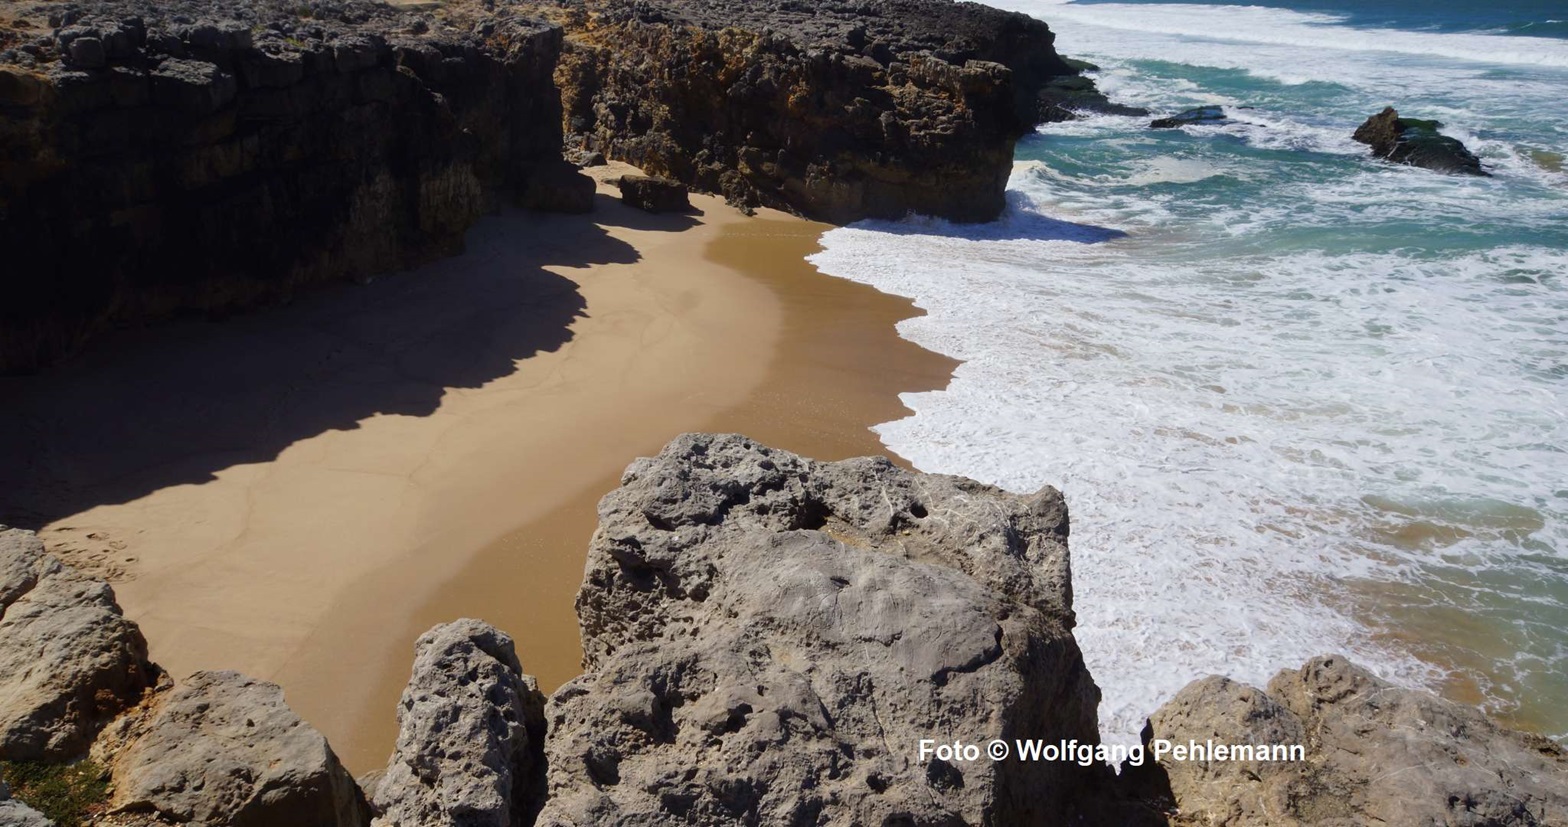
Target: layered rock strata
(768, 639)
(201, 157)
(1374, 754)
(838, 110)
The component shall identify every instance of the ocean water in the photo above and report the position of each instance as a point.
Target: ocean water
(1299, 401)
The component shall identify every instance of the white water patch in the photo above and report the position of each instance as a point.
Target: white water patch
(1303, 33)
(1232, 433)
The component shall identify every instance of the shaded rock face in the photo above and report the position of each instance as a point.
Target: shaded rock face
(225, 750)
(197, 157)
(470, 746)
(69, 660)
(836, 110)
(768, 638)
(1416, 143)
(652, 194)
(1374, 754)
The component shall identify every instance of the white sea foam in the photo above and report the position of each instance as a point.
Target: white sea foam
(1216, 428)
(1307, 34)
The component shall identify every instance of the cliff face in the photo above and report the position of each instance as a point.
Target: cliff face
(200, 157)
(836, 110)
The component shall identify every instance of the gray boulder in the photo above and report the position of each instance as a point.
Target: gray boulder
(769, 638)
(1375, 754)
(654, 195)
(224, 750)
(470, 735)
(14, 813)
(69, 660)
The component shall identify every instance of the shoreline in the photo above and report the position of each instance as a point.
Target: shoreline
(454, 474)
(827, 325)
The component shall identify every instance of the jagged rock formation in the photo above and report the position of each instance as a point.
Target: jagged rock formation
(1375, 754)
(69, 660)
(1416, 143)
(198, 156)
(838, 110)
(16, 814)
(224, 750)
(470, 745)
(768, 639)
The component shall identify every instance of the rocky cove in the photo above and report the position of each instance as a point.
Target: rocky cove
(202, 158)
(768, 639)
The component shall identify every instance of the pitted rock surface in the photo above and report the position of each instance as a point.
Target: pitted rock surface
(224, 750)
(470, 745)
(69, 659)
(768, 638)
(1375, 754)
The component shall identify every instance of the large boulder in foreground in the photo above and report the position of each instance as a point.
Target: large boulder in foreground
(69, 660)
(470, 744)
(769, 638)
(1374, 754)
(1416, 143)
(224, 750)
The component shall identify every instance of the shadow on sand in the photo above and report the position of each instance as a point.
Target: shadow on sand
(175, 404)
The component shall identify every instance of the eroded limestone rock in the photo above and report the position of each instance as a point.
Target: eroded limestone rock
(1375, 754)
(69, 659)
(224, 750)
(768, 638)
(470, 735)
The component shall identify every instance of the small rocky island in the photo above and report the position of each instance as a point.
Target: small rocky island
(768, 640)
(1417, 143)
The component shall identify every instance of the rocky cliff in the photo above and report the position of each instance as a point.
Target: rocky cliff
(166, 158)
(772, 640)
(838, 110)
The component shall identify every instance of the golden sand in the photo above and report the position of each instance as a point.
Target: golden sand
(297, 494)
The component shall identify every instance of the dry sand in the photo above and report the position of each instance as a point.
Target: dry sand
(296, 494)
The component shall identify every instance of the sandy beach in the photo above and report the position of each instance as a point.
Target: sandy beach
(297, 493)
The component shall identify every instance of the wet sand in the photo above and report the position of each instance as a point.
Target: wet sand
(296, 494)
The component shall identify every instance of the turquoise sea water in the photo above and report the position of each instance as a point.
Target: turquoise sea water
(1299, 400)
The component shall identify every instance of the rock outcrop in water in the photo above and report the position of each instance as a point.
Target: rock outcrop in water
(200, 156)
(1375, 753)
(1416, 143)
(768, 639)
(838, 110)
